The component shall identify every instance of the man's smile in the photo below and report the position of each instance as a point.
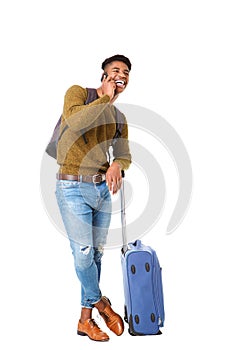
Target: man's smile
(120, 83)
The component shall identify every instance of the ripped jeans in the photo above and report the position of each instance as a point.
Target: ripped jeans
(86, 212)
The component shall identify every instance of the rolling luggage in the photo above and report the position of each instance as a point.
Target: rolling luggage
(142, 281)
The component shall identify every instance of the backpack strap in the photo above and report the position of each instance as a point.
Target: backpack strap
(91, 95)
(120, 121)
(119, 124)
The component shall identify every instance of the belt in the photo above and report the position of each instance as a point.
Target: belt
(96, 179)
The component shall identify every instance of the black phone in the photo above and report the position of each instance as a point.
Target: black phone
(104, 75)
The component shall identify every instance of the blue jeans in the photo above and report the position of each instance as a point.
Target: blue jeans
(86, 212)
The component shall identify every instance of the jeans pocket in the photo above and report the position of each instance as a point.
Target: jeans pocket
(67, 183)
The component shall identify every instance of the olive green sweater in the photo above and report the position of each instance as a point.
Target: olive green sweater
(84, 146)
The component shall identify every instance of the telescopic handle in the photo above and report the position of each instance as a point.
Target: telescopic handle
(123, 217)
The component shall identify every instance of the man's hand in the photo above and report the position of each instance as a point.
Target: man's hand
(108, 87)
(113, 177)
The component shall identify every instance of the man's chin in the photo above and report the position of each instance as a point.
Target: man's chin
(120, 89)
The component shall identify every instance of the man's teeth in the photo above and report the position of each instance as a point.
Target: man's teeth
(120, 82)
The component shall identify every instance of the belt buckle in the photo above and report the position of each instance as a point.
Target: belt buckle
(94, 177)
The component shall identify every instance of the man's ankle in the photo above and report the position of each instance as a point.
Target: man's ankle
(100, 305)
(86, 314)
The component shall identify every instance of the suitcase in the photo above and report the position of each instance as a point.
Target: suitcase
(142, 281)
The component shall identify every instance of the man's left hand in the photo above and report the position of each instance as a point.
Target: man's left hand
(113, 177)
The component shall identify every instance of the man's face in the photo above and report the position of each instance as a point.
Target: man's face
(119, 72)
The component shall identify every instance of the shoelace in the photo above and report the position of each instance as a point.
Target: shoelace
(105, 316)
(94, 323)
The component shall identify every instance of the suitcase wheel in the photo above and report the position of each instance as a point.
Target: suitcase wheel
(131, 333)
(125, 315)
(131, 329)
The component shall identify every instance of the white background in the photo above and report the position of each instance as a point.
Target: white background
(182, 57)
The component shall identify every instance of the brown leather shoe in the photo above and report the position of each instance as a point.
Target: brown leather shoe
(92, 330)
(113, 321)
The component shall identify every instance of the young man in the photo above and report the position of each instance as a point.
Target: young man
(85, 180)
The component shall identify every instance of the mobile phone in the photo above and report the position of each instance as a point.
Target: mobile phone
(104, 75)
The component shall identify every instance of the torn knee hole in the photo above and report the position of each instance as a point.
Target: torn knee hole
(85, 249)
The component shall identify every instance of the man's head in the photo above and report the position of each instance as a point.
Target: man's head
(120, 58)
(117, 67)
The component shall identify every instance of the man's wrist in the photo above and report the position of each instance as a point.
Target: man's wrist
(117, 165)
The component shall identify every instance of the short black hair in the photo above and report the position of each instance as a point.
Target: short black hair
(121, 58)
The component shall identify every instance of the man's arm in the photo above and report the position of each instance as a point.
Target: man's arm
(76, 114)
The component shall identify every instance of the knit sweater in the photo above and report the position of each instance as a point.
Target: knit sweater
(84, 146)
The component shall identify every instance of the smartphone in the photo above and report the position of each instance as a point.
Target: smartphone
(105, 75)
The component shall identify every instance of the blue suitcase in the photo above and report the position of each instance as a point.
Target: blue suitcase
(142, 281)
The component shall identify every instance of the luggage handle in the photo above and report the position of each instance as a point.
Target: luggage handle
(137, 243)
(123, 216)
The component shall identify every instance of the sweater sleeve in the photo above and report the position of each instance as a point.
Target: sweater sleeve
(76, 114)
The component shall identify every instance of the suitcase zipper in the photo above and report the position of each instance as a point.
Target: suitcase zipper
(158, 293)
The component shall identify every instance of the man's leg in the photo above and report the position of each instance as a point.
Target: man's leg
(101, 222)
(77, 218)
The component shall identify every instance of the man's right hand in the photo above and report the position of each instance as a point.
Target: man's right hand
(108, 87)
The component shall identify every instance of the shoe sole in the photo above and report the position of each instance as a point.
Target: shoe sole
(85, 334)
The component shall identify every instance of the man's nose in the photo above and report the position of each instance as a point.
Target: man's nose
(122, 74)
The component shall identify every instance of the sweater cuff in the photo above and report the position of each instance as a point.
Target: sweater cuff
(124, 163)
(104, 99)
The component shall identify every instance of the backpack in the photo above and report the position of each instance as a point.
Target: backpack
(51, 148)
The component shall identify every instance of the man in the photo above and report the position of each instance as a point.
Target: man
(85, 179)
